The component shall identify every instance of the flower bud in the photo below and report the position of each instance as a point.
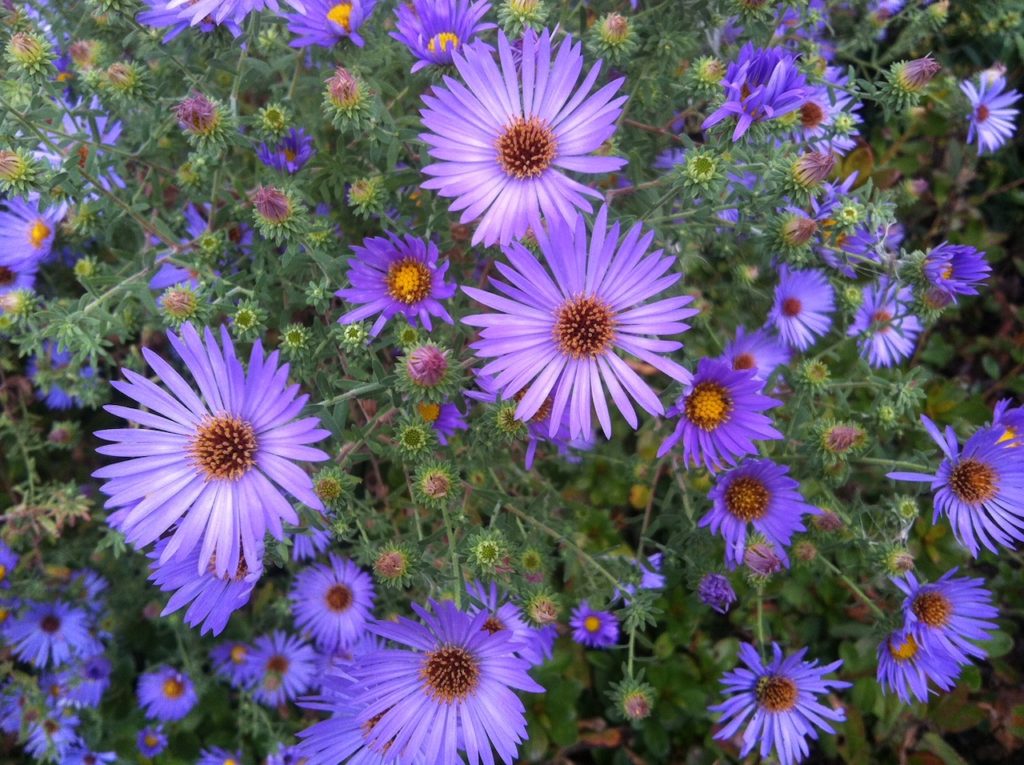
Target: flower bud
(709, 70)
(716, 591)
(489, 551)
(12, 166)
(899, 561)
(84, 53)
(813, 374)
(435, 484)
(827, 521)
(272, 204)
(805, 551)
(273, 120)
(798, 230)
(762, 559)
(913, 76)
(614, 29)
(179, 303)
(637, 704)
(15, 302)
(295, 338)
(427, 365)
(542, 609)
(343, 89)
(367, 195)
(813, 168)
(198, 115)
(29, 51)
(392, 565)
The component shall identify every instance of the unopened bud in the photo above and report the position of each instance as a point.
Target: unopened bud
(614, 29)
(198, 115)
(762, 560)
(179, 302)
(542, 609)
(391, 564)
(798, 230)
(427, 365)
(827, 521)
(637, 704)
(272, 204)
(914, 75)
(813, 168)
(343, 88)
(84, 53)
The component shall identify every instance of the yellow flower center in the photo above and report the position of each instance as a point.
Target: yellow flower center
(3, 572)
(443, 41)
(429, 412)
(174, 688)
(38, 233)
(238, 654)
(591, 624)
(973, 481)
(747, 499)
(708, 406)
(289, 155)
(905, 651)
(151, 740)
(230, 761)
(947, 272)
(341, 14)
(408, 281)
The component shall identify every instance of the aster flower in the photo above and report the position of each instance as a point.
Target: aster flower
(89, 121)
(396, 275)
(328, 22)
(209, 461)
(166, 694)
(308, 545)
(554, 334)
(504, 138)
(54, 362)
(49, 634)
(532, 644)
(827, 118)
(161, 14)
(222, 11)
(8, 562)
(594, 629)
(291, 154)
(445, 418)
(285, 667)
(151, 740)
(778, 701)
(88, 757)
(762, 84)
(233, 662)
(904, 667)
(27, 230)
(758, 350)
(216, 755)
(88, 681)
(980, 488)
(56, 733)
(720, 415)
(211, 598)
(949, 615)
(333, 602)
(956, 269)
(286, 755)
(759, 493)
(803, 302)
(715, 591)
(1007, 419)
(884, 326)
(992, 118)
(450, 687)
(433, 30)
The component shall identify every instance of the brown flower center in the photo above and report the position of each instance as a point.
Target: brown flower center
(744, 361)
(50, 624)
(493, 624)
(526, 148)
(408, 281)
(224, 447)
(932, 608)
(451, 673)
(545, 408)
(775, 693)
(811, 115)
(708, 405)
(973, 481)
(239, 653)
(881, 319)
(584, 327)
(7, 276)
(339, 598)
(982, 113)
(278, 664)
(791, 307)
(747, 498)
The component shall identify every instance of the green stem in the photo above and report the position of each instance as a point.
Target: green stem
(456, 570)
(629, 660)
(852, 585)
(760, 621)
(892, 463)
(354, 393)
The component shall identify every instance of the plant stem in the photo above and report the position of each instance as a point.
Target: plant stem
(456, 571)
(892, 463)
(760, 621)
(857, 590)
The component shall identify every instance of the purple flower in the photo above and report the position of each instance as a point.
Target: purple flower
(532, 644)
(151, 740)
(433, 30)
(884, 326)
(720, 416)
(284, 667)
(445, 418)
(328, 22)
(286, 755)
(980, 488)
(84, 120)
(333, 603)
(715, 591)
(764, 558)
(294, 151)
(759, 493)
(26, 236)
(233, 662)
(555, 331)
(56, 733)
(308, 545)
(171, 13)
(828, 120)
(992, 118)
(904, 667)
(594, 629)
(209, 461)
(803, 302)
(504, 139)
(218, 756)
(955, 269)
(450, 687)
(222, 11)
(89, 680)
(1006, 419)
(396, 276)
(87, 757)
(948, 615)
(166, 694)
(758, 350)
(8, 562)
(762, 84)
(55, 361)
(778, 702)
(211, 597)
(49, 634)
(344, 737)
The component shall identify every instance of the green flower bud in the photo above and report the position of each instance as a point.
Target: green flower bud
(392, 565)
(367, 196)
(179, 304)
(515, 16)
(85, 267)
(414, 438)
(273, 121)
(30, 53)
(247, 321)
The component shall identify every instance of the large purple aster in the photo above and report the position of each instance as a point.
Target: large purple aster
(433, 30)
(556, 331)
(209, 462)
(904, 667)
(504, 138)
(804, 301)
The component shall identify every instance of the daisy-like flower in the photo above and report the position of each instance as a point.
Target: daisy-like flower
(8, 562)
(450, 687)
(762, 84)
(948, 615)
(291, 154)
(504, 139)
(445, 418)
(310, 543)
(161, 14)
(165, 694)
(151, 740)
(904, 667)
(956, 269)
(720, 415)
(333, 603)
(284, 666)
(49, 634)
(827, 119)
(776, 703)
(804, 301)
(716, 591)
(222, 11)
(433, 30)
(328, 22)
(54, 734)
(216, 755)
(758, 350)
(594, 629)
(233, 662)
(211, 598)
(26, 233)
(884, 326)
(88, 757)
(396, 275)
(208, 460)
(759, 493)
(555, 331)
(992, 113)
(532, 644)
(88, 682)
(980, 488)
